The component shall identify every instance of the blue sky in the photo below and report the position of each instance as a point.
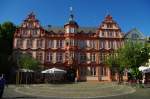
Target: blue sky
(127, 13)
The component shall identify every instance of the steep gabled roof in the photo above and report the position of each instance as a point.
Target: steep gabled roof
(134, 31)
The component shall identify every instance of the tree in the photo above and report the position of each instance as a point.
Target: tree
(28, 62)
(133, 55)
(116, 65)
(7, 30)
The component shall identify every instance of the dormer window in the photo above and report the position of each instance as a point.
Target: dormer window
(72, 30)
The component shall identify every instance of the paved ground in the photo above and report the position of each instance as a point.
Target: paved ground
(32, 91)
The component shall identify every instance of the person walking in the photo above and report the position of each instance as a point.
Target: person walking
(2, 85)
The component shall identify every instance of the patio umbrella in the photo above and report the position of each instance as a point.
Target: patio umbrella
(53, 71)
(144, 69)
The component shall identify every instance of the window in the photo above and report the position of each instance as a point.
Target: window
(102, 57)
(91, 71)
(110, 34)
(82, 57)
(110, 44)
(24, 33)
(29, 53)
(82, 43)
(59, 57)
(29, 44)
(75, 43)
(92, 57)
(117, 34)
(88, 43)
(92, 44)
(67, 43)
(30, 25)
(50, 44)
(39, 43)
(34, 32)
(72, 30)
(49, 57)
(59, 43)
(19, 43)
(102, 34)
(39, 56)
(72, 42)
(103, 71)
(135, 36)
(102, 44)
(118, 44)
(82, 71)
(109, 25)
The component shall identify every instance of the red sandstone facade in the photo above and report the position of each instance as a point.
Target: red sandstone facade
(71, 47)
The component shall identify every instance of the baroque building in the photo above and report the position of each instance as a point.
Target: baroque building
(83, 49)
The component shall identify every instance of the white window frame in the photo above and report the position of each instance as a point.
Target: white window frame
(49, 56)
(72, 30)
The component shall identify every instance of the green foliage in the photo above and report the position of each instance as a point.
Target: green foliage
(112, 60)
(133, 55)
(7, 30)
(28, 62)
(115, 63)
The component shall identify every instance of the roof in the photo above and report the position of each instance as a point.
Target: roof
(60, 29)
(134, 31)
